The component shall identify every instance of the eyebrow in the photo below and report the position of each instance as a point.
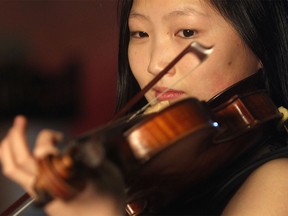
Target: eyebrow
(187, 11)
(137, 15)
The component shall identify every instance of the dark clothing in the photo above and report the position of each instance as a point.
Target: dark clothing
(213, 195)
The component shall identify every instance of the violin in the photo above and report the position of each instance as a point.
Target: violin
(207, 137)
(144, 155)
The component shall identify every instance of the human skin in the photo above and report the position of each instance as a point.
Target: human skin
(160, 29)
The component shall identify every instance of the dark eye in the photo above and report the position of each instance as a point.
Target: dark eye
(186, 33)
(139, 34)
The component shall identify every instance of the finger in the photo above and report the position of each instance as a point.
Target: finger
(18, 145)
(45, 143)
(12, 170)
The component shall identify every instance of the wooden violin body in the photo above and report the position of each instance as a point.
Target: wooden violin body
(162, 154)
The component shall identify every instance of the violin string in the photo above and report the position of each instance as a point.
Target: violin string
(205, 51)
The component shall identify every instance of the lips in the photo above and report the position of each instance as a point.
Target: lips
(163, 93)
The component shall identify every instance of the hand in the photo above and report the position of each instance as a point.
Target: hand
(18, 162)
(20, 165)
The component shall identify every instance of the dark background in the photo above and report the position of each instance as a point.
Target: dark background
(58, 66)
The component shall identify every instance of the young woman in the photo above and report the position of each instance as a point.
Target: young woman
(247, 35)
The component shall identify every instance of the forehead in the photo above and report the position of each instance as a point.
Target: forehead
(182, 7)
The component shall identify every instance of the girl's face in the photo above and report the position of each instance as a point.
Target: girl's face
(161, 29)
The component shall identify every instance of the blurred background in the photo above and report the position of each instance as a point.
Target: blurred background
(58, 66)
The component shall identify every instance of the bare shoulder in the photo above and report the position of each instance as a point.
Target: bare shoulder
(265, 192)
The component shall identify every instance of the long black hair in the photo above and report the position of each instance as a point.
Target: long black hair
(263, 26)
(127, 85)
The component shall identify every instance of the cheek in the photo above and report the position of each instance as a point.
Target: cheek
(137, 65)
(212, 77)
(205, 84)
(134, 63)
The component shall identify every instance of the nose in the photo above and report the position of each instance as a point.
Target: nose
(161, 54)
